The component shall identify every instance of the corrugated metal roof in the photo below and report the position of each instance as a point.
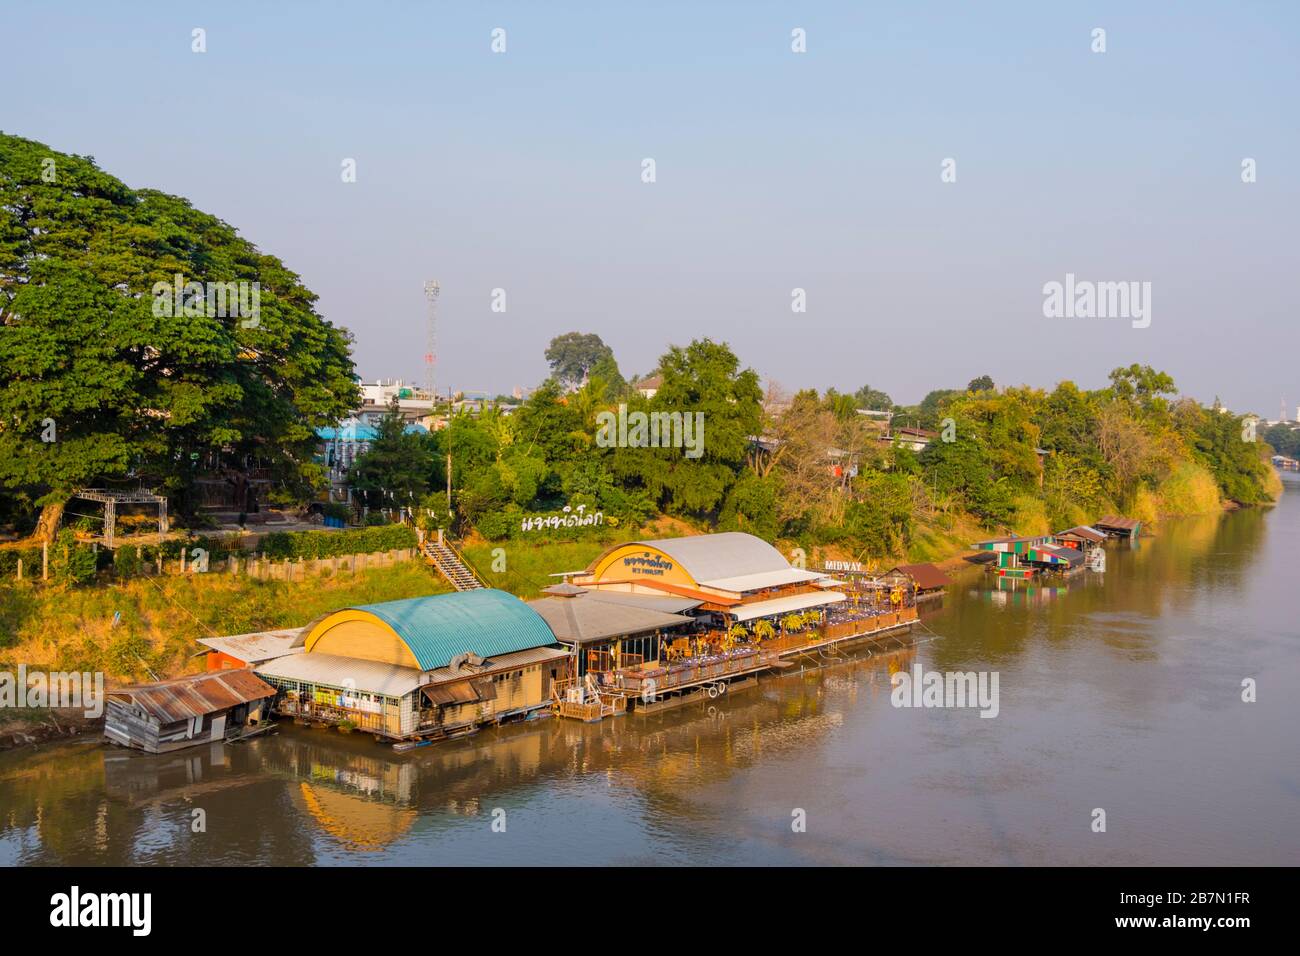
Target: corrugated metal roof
(535, 655)
(727, 555)
(651, 602)
(786, 605)
(184, 698)
(344, 672)
(485, 621)
(925, 575)
(575, 620)
(1083, 531)
(1118, 522)
(258, 647)
(763, 579)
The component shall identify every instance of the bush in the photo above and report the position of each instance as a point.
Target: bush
(126, 560)
(70, 562)
(291, 545)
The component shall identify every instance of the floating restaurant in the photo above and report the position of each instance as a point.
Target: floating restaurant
(647, 625)
(752, 611)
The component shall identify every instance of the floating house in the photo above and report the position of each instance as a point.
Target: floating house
(187, 711)
(1119, 527)
(924, 580)
(422, 668)
(1081, 537)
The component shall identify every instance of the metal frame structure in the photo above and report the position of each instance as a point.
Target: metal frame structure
(111, 499)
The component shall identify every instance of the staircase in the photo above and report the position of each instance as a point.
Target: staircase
(448, 563)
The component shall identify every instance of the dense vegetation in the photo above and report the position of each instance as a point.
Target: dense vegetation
(104, 385)
(810, 468)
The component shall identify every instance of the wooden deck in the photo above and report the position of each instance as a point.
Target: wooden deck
(609, 692)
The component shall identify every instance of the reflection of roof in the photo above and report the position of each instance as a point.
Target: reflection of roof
(353, 673)
(184, 698)
(708, 557)
(437, 628)
(763, 579)
(925, 575)
(575, 620)
(255, 648)
(786, 605)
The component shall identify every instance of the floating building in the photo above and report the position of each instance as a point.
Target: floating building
(422, 668)
(187, 711)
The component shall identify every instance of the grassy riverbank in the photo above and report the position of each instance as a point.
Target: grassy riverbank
(58, 628)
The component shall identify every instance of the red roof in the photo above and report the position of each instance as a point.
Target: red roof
(925, 576)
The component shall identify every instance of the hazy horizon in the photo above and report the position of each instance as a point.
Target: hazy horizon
(775, 170)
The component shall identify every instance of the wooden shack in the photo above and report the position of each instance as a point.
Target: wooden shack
(1119, 527)
(925, 580)
(188, 711)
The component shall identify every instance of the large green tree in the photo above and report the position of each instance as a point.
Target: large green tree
(113, 376)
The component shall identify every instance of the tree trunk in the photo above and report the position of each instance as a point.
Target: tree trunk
(47, 526)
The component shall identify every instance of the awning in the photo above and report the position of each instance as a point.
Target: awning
(461, 692)
(785, 605)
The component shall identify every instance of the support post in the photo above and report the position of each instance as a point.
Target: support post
(110, 521)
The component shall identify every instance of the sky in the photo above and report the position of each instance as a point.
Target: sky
(774, 170)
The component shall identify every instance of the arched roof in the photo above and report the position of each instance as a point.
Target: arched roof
(437, 628)
(708, 557)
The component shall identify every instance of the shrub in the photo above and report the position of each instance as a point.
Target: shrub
(126, 560)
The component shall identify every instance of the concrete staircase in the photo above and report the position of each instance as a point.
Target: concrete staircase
(449, 564)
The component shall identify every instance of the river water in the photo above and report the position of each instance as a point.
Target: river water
(1120, 692)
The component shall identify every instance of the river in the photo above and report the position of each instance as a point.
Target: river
(1120, 692)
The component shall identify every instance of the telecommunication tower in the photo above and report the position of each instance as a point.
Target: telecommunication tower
(431, 290)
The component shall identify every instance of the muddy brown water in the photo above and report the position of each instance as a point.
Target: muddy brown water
(1120, 691)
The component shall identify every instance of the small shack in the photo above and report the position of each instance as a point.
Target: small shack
(187, 711)
(1081, 538)
(925, 579)
(1119, 527)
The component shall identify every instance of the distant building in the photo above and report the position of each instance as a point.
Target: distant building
(649, 386)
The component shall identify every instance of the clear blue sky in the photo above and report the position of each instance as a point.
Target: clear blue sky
(775, 170)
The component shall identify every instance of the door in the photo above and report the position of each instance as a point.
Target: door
(218, 727)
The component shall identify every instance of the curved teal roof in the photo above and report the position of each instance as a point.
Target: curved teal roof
(485, 621)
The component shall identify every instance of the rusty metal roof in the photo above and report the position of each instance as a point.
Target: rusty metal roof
(925, 575)
(184, 698)
(1083, 532)
(1116, 521)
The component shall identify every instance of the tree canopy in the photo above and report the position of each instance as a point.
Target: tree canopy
(102, 384)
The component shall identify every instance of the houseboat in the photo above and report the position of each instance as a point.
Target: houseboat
(188, 711)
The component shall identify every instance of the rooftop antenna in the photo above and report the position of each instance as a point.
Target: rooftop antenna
(431, 290)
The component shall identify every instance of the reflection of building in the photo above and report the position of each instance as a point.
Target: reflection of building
(425, 667)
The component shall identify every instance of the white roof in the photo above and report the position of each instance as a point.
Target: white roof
(763, 579)
(350, 672)
(785, 605)
(257, 647)
(714, 556)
